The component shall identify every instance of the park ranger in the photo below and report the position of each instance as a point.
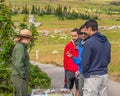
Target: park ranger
(20, 61)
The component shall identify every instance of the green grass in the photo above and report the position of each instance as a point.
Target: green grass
(114, 66)
(5, 94)
(46, 54)
(18, 18)
(52, 22)
(109, 22)
(113, 35)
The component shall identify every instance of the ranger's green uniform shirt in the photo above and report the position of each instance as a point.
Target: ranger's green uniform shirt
(20, 60)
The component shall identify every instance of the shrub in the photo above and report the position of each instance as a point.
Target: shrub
(117, 3)
(5, 80)
(38, 78)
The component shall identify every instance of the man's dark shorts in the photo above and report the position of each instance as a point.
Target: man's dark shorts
(70, 79)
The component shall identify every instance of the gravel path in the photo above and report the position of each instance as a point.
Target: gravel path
(57, 75)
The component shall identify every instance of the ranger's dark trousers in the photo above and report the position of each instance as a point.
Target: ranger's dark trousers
(20, 85)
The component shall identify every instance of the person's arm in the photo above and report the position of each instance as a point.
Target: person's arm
(86, 55)
(66, 60)
(77, 60)
(109, 56)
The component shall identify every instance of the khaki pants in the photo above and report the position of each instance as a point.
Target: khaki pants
(20, 85)
(96, 85)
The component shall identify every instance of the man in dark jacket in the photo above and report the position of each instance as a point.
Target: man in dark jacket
(95, 59)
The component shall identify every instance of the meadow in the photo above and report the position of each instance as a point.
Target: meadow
(46, 45)
(51, 47)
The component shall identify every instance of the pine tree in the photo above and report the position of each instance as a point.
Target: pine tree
(6, 47)
(6, 34)
(59, 12)
(33, 11)
(25, 10)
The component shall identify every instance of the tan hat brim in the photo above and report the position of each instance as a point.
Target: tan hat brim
(25, 36)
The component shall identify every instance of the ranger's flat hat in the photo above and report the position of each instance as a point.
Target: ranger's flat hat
(25, 33)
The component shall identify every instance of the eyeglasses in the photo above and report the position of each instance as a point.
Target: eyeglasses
(83, 33)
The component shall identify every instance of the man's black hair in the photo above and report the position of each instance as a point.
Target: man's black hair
(75, 30)
(93, 24)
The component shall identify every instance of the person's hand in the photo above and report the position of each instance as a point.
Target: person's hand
(77, 74)
(69, 54)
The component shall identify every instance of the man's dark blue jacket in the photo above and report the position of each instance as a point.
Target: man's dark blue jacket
(96, 55)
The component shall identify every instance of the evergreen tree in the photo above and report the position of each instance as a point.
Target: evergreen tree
(38, 10)
(25, 10)
(6, 47)
(65, 11)
(6, 34)
(59, 12)
(33, 11)
(49, 10)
